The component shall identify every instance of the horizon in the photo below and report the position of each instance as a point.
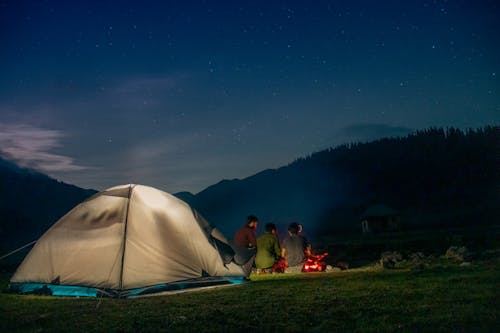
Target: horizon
(445, 129)
(182, 96)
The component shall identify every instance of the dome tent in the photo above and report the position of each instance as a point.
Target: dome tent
(125, 241)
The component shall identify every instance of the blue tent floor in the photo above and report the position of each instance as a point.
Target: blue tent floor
(86, 291)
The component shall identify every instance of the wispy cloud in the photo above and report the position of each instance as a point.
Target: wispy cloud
(30, 146)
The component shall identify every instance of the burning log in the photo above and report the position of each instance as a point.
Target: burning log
(315, 263)
(280, 266)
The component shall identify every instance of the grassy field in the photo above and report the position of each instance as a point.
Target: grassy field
(360, 249)
(442, 297)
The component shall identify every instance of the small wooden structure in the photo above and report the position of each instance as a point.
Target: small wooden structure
(380, 218)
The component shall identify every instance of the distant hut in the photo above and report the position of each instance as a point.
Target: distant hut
(380, 218)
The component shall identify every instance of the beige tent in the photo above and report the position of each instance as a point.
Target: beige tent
(127, 240)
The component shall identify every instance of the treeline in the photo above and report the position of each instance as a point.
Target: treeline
(435, 176)
(30, 202)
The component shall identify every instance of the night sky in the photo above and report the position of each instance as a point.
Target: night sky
(180, 95)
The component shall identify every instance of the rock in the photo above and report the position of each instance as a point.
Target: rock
(417, 258)
(389, 259)
(388, 263)
(457, 254)
(465, 264)
(343, 265)
(330, 268)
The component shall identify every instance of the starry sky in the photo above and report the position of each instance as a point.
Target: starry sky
(182, 94)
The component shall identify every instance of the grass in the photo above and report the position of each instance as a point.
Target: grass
(443, 297)
(360, 249)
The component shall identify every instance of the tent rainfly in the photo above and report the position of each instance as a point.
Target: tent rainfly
(126, 241)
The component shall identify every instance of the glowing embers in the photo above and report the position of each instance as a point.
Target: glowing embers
(315, 263)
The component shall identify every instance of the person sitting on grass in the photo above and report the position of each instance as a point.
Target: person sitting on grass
(244, 244)
(294, 249)
(268, 249)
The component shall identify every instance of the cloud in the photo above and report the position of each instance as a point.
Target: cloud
(30, 147)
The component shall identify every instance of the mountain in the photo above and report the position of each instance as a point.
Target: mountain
(436, 177)
(185, 196)
(30, 202)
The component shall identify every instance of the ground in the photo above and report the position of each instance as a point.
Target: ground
(442, 296)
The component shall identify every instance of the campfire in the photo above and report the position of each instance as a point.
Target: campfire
(315, 263)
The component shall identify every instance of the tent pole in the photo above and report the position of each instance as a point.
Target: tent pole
(120, 287)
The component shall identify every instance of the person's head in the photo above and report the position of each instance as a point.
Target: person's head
(252, 221)
(293, 228)
(271, 228)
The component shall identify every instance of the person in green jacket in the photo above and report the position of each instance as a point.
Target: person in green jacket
(268, 249)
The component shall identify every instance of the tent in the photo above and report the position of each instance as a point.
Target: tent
(125, 241)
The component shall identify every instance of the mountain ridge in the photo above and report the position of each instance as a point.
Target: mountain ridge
(434, 177)
(30, 202)
(427, 175)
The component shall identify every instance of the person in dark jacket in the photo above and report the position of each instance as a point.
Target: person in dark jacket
(245, 244)
(294, 247)
(245, 236)
(268, 249)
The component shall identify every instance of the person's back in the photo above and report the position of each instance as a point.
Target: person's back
(245, 236)
(294, 246)
(268, 248)
(244, 244)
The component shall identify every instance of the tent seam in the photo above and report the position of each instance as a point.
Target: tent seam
(120, 285)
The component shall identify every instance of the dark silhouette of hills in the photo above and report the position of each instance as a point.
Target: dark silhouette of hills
(435, 178)
(30, 202)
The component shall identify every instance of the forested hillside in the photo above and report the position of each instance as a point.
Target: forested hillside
(30, 202)
(435, 177)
